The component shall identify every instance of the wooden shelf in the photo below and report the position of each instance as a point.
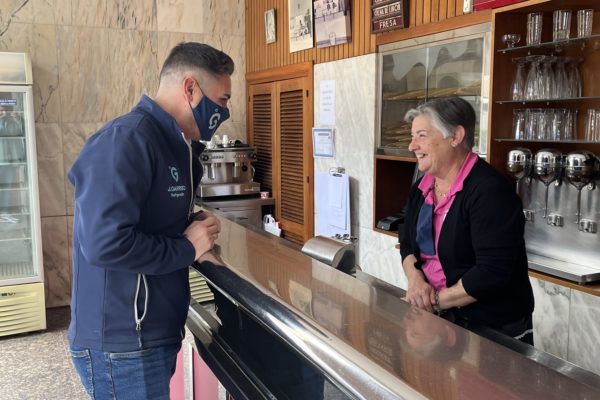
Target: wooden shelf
(393, 234)
(395, 158)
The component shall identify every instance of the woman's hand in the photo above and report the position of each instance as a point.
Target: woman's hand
(420, 293)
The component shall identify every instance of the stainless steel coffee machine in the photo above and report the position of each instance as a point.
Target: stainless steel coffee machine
(228, 171)
(562, 208)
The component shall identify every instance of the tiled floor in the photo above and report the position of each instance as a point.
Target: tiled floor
(37, 365)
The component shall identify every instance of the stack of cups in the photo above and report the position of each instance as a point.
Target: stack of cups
(585, 19)
(592, 125)
(534, 28)
(561, 25)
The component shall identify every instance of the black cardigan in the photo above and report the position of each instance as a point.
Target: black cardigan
(482, 242)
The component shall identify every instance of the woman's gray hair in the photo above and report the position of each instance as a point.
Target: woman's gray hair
(446, 114)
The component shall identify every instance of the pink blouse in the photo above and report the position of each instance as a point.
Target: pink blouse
(432, 268)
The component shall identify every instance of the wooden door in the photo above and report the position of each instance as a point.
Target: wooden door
(280, 122)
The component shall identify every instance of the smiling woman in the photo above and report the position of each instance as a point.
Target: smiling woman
(463, 247)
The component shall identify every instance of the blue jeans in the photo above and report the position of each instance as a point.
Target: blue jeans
(143, 374)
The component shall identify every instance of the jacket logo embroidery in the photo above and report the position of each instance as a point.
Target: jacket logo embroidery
(174, 173)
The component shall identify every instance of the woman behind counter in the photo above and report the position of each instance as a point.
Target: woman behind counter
(462, 248)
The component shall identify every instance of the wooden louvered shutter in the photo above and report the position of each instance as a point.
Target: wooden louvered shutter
(280, 119)
(295, 161)
(261, 132)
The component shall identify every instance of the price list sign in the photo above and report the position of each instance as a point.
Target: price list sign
(388, 15)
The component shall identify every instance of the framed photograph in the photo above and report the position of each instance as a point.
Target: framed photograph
(300, 24)
(270, 35)
(332, 22)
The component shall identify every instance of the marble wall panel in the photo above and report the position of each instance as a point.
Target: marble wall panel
(84, 73)
(225, 17)
(51, 176)
(354, 150)
(132, 14)
(584, 331)
(14, 11)
(180, 16)
(63, 11)
(377, 256)
(551, 317)
(89, 13)
(137, 57)
(42, 11)
(40, 42)
(57, 276)
(74, 137)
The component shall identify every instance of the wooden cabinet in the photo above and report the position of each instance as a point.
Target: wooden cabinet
(513, 19)
(279, 126)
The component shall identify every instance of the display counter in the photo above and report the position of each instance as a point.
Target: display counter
(288, 326)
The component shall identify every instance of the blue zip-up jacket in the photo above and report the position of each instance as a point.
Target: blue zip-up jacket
(134, 187)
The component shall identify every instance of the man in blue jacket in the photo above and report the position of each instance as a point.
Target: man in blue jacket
(134, 234)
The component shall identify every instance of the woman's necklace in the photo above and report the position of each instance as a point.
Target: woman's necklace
(438, 192)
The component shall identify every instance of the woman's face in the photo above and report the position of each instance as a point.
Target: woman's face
(434, 153)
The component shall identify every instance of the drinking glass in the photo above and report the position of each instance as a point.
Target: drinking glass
(519, 123)
(585, 18)
(570, 127)
(557, 124)
(561, 79)
(518, 83)
(592, 130)
(534, 28)
(561, 25)
(547, 79)
(574, 78)
(533, 83)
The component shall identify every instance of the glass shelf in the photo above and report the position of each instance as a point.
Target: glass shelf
(543, 141)
(12, 137)
(546, 45)
(424, 99)
(548, 101)
(12, 163)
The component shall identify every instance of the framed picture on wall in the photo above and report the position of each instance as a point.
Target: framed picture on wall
(332, 22)
(300, 24)
(270, 35)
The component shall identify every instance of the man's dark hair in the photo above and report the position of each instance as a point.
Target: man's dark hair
(193, 55)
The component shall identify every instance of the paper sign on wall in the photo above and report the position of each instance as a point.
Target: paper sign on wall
(327, 103)
(323, 142)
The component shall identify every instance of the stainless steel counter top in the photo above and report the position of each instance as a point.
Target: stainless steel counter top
(368, 341)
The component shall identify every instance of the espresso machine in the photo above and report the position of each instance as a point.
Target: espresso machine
(562, 211)
(228, 185)
(228, 171)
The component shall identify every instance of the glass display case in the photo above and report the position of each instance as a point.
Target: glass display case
(454, 63)
(22, 306)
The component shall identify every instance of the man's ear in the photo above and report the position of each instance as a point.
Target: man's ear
(188, 86)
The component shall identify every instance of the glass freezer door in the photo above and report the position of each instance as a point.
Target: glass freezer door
(19, 209)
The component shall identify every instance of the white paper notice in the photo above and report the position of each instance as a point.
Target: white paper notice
(323, 142)
(327, 106)
(332, 201)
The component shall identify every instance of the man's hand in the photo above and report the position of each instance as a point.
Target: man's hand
(212, 256)
(203, 234)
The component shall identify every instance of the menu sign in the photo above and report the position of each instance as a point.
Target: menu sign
(387, 15)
